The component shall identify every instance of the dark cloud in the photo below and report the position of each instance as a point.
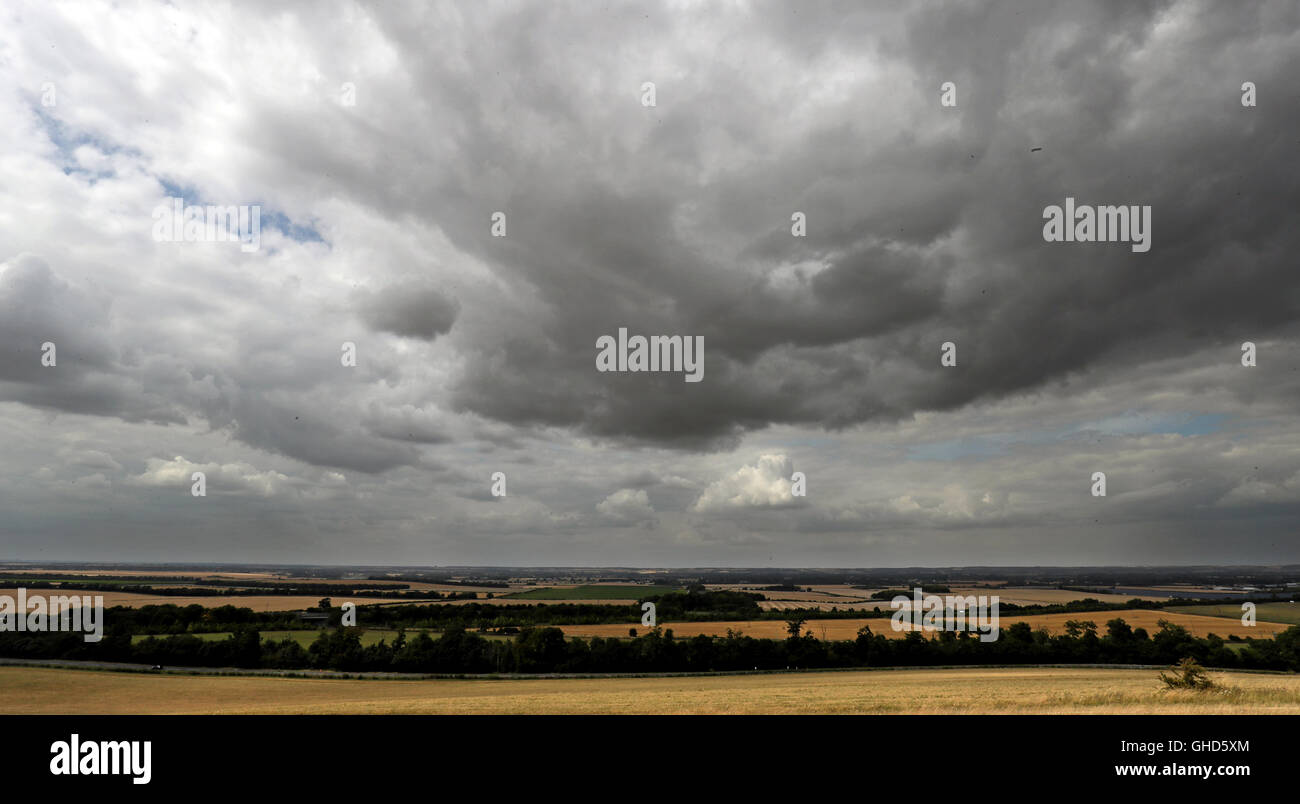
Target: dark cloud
(412, 310)
(38, 307)
(305, 434)
(915, 244)
(407, 424)
(924, 225)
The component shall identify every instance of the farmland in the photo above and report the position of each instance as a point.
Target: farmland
(307, 636)
(522, 627)
(1288, 612)
(842, 596)
(1037, 690)
(1041, 596)
(618, 593)
(254, 602)
(1197, 624)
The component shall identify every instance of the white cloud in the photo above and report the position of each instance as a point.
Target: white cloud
(219, 478)
(627, 506)
(764, 484)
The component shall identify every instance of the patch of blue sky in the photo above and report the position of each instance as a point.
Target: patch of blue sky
(186, 193)
(66, 141)
(1129, 424)
(299, 232)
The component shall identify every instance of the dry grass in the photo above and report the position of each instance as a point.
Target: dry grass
(1197, 624)
(1032, 690)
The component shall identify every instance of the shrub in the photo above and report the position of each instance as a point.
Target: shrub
(1187, 675)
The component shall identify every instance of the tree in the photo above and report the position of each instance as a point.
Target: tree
(1079, 628)
(1119, 630)
(793, 625)
(540, 649)
(324, 603)
(1020, 632)
(1187, 675)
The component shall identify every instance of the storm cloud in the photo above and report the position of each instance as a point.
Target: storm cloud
(384, 143)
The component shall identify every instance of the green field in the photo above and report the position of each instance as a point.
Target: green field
(1276, 612)
(592, 592)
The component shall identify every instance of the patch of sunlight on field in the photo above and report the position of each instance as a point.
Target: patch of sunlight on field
(1042, 690)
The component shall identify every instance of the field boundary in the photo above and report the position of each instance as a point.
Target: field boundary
(124, 667)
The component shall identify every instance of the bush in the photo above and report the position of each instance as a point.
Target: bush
(1187, 675)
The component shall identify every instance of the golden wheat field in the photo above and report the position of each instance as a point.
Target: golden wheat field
(1198, 624)
(1029, 690)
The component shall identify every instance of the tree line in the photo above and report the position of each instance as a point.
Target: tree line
(547, 650)
(691, 606)
(233, 589)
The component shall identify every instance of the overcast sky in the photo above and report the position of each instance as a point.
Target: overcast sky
(477, 354)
